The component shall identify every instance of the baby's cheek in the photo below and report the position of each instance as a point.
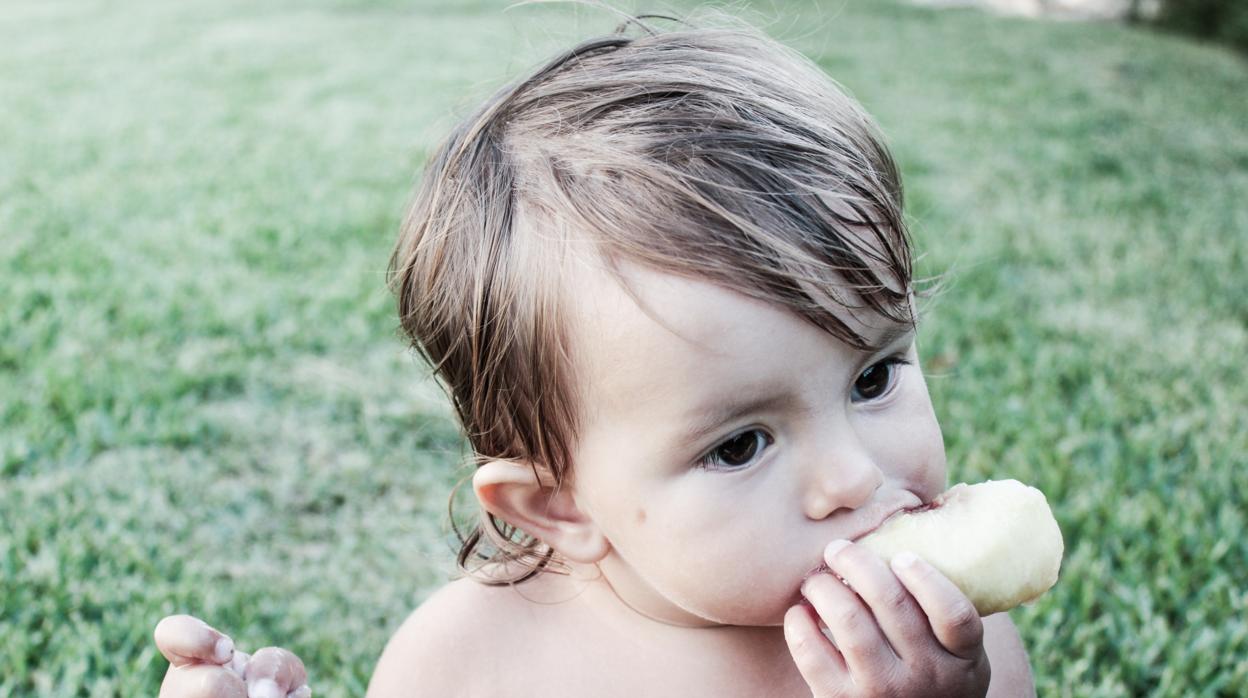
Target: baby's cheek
(911, 450)
(933, 444)
(934, 472)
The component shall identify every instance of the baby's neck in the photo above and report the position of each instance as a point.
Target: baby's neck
(583, 613)
(591, 590)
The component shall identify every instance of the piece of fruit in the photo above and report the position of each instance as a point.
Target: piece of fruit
(997, 541)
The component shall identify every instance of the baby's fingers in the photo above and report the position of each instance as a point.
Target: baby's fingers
(276, 673)
(818, 661)
(953, 618)
(188, 640)
(202, 681)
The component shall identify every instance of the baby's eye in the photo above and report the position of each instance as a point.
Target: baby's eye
(737, 451)
(876, 382)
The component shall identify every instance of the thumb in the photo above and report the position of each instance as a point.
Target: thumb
(188, 640)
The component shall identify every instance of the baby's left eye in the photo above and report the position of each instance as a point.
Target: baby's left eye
(878, 380)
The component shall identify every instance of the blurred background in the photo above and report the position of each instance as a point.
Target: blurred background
(205, 405)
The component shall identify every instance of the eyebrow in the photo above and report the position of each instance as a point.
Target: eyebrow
(709, 420)
(890, 336)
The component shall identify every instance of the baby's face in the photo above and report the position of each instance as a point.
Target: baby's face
(725, 442)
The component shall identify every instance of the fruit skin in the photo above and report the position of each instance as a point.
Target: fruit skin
(997, 541)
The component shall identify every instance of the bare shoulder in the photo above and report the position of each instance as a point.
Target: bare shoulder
(1011, 672)
(449, 645)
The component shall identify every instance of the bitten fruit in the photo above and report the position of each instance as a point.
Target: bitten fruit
(997, 541)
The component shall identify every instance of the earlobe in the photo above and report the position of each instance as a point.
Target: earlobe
(516, 493)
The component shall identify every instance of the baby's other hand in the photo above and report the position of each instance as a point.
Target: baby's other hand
(203, 663)
(907, 631)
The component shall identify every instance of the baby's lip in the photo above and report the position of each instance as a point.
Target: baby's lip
(875, 514)
(872, 516)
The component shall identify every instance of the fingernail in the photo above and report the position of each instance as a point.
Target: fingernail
(834, 547)
(302, 692)
(904, 560)
(264, 688)
(224, 650)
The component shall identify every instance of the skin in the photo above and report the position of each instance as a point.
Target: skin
(836, 466)
(694, 581)
(842, 439)
(693, 567)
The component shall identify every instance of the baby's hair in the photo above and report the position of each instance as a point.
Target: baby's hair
(713, 153)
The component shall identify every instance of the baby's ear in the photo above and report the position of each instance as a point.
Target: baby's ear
(514, 492)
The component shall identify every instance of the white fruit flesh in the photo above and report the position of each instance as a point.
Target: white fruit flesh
(997, 541)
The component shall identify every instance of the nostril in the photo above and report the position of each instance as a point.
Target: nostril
(848, 483)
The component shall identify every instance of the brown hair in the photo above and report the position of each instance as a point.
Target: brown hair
(714, 153)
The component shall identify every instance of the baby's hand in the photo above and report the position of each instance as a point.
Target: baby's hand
(923, 638)
(203, 663)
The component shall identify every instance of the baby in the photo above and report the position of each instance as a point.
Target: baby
(666, 282)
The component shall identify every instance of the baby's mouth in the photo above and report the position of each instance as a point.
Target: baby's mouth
(910, 504)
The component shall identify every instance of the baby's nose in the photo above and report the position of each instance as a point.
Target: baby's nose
(846, 480)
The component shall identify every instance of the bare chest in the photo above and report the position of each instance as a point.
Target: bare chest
(616, 676)
(581, 664)
(560, 642)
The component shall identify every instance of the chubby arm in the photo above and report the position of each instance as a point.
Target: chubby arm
(1011, 672)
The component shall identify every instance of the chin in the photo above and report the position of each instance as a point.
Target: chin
(756, 612)
(763, 608)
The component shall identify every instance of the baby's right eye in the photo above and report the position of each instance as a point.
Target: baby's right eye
(738, 451)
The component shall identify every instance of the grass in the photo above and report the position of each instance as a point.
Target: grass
(204, 405)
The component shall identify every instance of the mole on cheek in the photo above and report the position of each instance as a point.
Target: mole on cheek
(641, 516)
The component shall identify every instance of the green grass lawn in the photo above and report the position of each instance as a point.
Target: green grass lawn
(205, 406)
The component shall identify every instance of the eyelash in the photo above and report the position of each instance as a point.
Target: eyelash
(890, 362)
(706, 461)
